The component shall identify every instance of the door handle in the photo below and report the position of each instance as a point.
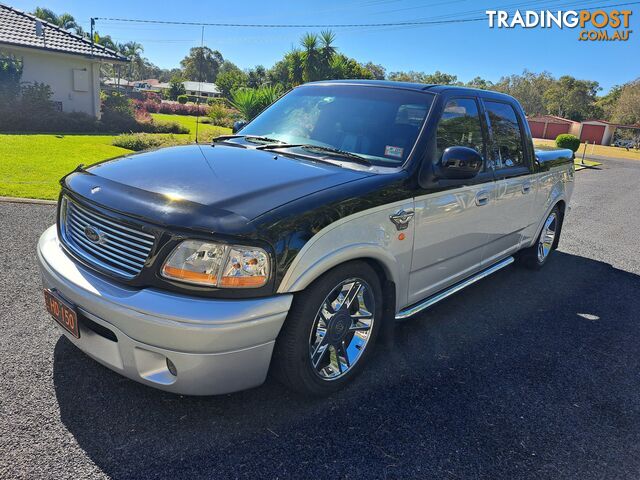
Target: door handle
(482, 198)
(526, 187)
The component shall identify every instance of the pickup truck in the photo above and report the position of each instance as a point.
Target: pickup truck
(294, 243)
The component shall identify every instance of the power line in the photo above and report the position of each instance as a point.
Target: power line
(293, 25)
(413, 23)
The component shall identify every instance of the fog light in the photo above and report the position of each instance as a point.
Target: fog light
(172, 368)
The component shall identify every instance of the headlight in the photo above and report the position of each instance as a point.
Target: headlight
(217, 265)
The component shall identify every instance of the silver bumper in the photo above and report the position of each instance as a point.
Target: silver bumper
(217, 346)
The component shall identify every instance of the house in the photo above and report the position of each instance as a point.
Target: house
(550, 126)
(68, 63)
(193, 89)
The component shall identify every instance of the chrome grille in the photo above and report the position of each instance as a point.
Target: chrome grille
(102, 241)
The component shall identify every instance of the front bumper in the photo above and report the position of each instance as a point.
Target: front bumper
(217, 346)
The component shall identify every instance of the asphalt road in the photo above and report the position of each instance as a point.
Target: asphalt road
(524, 375)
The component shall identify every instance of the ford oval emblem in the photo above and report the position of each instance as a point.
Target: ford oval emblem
(93, 234)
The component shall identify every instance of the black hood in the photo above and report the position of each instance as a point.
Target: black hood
(213, 188)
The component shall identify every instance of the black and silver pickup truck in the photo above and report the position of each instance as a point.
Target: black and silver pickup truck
(293, 243)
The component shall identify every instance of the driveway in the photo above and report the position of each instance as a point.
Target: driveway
(523, 375)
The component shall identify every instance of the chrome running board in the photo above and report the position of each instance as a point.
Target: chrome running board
(426, 303)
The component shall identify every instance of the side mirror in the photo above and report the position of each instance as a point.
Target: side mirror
(459, 163)
(238, 125)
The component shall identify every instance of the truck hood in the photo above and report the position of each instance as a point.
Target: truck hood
(214, 188)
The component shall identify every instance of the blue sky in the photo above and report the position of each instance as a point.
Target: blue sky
(464, 49)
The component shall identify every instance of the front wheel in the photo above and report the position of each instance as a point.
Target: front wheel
(330, 331)
(537, 255)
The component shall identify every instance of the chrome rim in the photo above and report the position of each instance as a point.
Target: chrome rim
(342, 328)
(547, 236)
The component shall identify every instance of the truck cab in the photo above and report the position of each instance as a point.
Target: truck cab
(294, 243)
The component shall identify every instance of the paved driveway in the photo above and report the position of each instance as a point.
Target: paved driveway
(525, 375)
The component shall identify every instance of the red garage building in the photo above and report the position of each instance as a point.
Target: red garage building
(550, 126)
(597, 131)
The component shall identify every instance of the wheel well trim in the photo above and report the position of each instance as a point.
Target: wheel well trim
(557, 200)
(359, 251)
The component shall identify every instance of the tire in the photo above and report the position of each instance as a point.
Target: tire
(328, 334)
(537, 255)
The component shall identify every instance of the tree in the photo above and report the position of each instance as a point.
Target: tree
(627, 110)
(327, 52)
(528, 89)
(64, 21)
(132, 50)
(479, 82)
(202, 64)
(256, 77)
(572, 98)
(438, 78)
(609, 102)
(378, 72)
(310, 57)
(10, 74)
(176, 88)
(230, 80)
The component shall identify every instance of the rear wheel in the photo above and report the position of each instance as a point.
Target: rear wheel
(330, 330)
(537, 255)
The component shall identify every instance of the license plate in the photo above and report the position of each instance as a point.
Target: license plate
(62, 312)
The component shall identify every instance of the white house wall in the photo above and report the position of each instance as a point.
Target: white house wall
(56, 70)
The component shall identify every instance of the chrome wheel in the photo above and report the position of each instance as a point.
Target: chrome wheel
(342, 328)
(547, 237)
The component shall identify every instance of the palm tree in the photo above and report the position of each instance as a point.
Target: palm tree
(310, 57)
(64, 21)
(132, 51)
(295, 64)
(327, 51)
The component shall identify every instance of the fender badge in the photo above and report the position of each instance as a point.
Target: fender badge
(401, 219)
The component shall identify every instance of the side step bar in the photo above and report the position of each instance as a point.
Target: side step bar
(426, 303)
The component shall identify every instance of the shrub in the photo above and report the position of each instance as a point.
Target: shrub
(145, 141)
(183, 99)
(10, 74)
(566, 140)
(220, 116)
(251, 101)
(169, 127)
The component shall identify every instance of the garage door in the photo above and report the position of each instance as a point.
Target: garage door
(555, 129)
(592, 133)
(537, 129)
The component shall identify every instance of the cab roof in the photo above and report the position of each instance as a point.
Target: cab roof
(414, 86)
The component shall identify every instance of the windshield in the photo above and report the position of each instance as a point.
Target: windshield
(379, 124)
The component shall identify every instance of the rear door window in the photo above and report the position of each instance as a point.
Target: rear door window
(508, 147)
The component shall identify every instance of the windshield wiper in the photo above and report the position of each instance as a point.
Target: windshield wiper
(248, 138)
(330, 150)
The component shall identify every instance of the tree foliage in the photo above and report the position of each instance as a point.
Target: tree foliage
(202, 64)
(64, 20)
(627, 108)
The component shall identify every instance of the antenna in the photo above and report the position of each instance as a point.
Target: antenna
(199, 81)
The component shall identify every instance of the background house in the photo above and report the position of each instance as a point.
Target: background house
(68, 63)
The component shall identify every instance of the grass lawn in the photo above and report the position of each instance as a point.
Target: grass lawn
(600, 150)
(205, 131)
(32, 164)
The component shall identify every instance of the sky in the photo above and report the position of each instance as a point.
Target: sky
(464, 49)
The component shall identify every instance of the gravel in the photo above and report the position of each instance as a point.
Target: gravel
(523, 375)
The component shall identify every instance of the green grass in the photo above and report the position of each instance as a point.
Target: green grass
(205, 131)
(31, 165)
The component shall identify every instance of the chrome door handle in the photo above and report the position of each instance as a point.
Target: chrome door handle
(482, 198)
(526, 188)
